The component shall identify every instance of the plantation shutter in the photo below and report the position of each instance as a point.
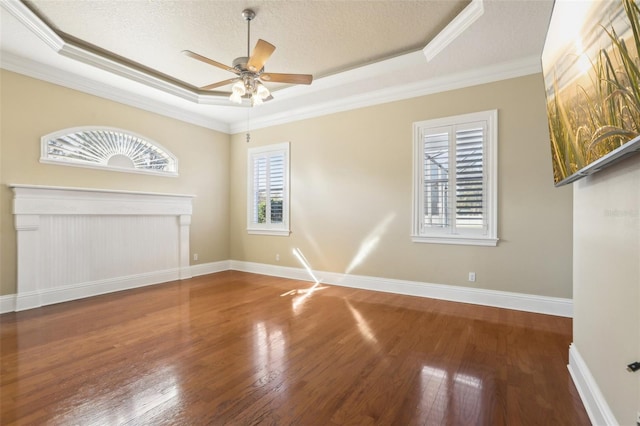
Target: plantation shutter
(276, 187)
(454, 200)
(436, 179)
(260, 188)
(470, 176)
(269, 187)
(455, 184)
(268, 190)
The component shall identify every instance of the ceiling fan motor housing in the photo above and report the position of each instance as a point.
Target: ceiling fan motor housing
(241, 65)
(248, 75)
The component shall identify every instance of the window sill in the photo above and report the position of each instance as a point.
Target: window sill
(450, 239)
(276, 232)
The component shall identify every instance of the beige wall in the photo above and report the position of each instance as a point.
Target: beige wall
(606, 250)
(351, 185)
(32, 108)
(351, 188)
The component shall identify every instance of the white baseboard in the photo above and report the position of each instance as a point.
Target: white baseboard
(44, 297)
(7, 303)
(593, 400)
(501, 299)
(24, 301)
(210, 268)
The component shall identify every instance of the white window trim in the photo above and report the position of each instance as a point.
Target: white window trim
(490, 238)
(268, 228)
(45, 158)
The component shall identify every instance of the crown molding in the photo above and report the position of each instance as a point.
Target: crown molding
(77, 52)
(29, 19)
(105, 63)
(526, 66)
(20, 65)
(190, 112)
(490, 74)
(460, 23)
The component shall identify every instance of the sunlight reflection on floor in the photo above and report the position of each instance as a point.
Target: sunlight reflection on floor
(439, 389)
(302, 295)
(159, 391)
(363, 325)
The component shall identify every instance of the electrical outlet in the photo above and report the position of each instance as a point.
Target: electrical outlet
(277, 257)
(195, 256)
(472, 276)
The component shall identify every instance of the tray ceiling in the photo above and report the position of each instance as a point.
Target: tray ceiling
(359, 52)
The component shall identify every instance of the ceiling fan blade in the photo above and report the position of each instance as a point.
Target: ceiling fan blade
(287, 78)
(220, 84)
(261, 53)
(210, 61)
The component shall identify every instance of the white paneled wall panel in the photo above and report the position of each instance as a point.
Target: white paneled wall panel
(76, 242)
(77, 249)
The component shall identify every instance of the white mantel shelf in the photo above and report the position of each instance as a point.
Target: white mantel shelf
(56, 200)
(79, 242)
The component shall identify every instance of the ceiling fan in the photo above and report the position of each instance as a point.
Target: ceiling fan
(249, 70)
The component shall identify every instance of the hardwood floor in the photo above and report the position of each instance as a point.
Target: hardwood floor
(243, 349)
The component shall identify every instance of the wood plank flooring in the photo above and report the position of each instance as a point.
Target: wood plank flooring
(243, 349)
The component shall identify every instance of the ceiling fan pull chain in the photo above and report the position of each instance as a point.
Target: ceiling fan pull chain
(248, 125)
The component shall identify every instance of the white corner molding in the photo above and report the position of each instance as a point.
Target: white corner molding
(79, 242)
(460, 23)
(500, 299)
(590, 394)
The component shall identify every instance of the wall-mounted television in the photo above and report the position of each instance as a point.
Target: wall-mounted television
(591, 73)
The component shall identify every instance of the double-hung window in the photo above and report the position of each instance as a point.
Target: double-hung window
(455, 180)
(268, 190)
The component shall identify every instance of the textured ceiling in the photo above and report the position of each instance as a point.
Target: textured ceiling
(313, 37)
(356, 50)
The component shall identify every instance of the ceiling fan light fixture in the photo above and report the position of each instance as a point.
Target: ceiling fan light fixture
(249, 70)
(262, 91)
(236, 98)
(238, 88)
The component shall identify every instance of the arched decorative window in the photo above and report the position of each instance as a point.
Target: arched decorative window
(107, 148)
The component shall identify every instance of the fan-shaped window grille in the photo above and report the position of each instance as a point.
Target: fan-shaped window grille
(107, 148)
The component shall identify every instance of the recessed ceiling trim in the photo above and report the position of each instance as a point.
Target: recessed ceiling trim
(36, 70)
(104, 63)
(460, 23)
(117, 80)
(80, 54)
(355, 75)
(29, 19)
(497, 72)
